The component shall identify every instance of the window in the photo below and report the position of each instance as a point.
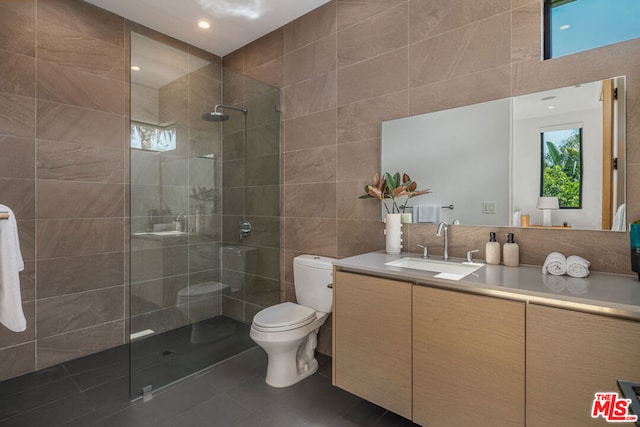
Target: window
(561, 174)
(572, 26)
(152, 138)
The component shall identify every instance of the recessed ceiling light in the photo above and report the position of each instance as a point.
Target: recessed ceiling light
(551, 107)
(204, 25)
(135, 68)
(565, 27)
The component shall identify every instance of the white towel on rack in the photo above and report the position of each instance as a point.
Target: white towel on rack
(11, 264)
(555, 264)
(577, 266)
(427, 213)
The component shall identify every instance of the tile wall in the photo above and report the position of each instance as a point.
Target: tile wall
(348, 65)
(63, 169)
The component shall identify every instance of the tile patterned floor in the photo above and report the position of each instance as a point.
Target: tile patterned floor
(94, 391)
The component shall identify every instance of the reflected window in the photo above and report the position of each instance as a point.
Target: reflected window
(562, 167)
(152, 138)
(576, 25)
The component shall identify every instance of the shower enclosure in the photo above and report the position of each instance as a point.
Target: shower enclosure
(205, 227)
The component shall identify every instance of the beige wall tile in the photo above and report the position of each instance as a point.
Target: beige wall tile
(357, 237)
(435, 58)
(60, 45)
(17, 74)
(62, 314)
(19, 360)
(525, 26)
(470, 89)
(19, 196)
(358, 161)
(430, 18)
(310, 166)
(18, 27)
(351, 207)
(17, 160)
(63, 161)
(311, 236)
(313, 26)
(74, 237)
(351, 12)
(69, 86)
(68, 199)
(311, 60)
(361, 120)
(310, 200)
(489, 46)
(310, 131)
(17, 115)
(61, 276)
(310, 96)
(72, 345)
(374, 36)
(84, 18)
(374, 77)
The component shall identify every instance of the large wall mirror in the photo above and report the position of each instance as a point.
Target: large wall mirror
(491, 162)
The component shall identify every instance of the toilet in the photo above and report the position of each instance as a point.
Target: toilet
(287, 332)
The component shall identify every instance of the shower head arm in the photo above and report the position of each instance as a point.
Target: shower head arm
(229, 107)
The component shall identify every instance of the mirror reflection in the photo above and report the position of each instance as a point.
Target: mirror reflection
(500, 162)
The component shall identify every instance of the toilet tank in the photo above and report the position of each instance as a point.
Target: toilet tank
(311, 275)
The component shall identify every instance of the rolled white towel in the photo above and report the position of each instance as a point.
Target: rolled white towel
(577, 266)
(555, 264)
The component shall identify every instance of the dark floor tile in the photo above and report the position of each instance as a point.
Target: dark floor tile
(324, 365)
(365, 413)
(219, 411)
(389, 419)
(31, 380)
(15, 404)
(101, 360)
(110, 397)
(53, 414)
(89, 379)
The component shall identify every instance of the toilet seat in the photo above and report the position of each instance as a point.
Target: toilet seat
(283, 317)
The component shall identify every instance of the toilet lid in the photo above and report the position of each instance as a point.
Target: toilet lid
(284, 316)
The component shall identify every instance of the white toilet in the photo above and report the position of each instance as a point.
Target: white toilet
(287, 332)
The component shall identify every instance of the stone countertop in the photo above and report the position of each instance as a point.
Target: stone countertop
(601, 293)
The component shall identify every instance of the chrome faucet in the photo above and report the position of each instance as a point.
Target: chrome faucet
(444, 226)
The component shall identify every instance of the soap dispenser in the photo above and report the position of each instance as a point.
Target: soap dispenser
(511, 252)
(492, 250)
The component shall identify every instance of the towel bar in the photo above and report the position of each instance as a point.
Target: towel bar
(4, 215)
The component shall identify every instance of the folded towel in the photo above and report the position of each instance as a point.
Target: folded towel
(11, 264)
(555, 264)
(427, 213)
(577, 266)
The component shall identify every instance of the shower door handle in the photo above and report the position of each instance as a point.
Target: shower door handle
(245, 229)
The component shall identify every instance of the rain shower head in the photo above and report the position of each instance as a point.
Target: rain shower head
(218, 116)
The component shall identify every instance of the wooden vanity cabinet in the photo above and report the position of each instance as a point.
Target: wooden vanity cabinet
(372, 339)
(468, 359)
(571, 356)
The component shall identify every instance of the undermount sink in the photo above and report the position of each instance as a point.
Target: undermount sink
(447, 267)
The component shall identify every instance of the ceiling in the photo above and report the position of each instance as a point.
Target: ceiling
(234, 23)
